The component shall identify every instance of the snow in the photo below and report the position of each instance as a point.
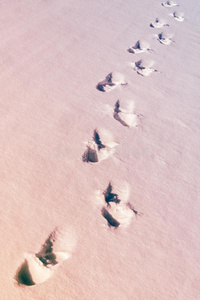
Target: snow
(52, 56)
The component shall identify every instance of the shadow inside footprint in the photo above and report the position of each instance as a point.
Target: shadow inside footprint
(90, 155)
(109, 196)
(116, 114)
(97, 140)
(111, 221)
(117, 117)
(46, 255)
(23, 276)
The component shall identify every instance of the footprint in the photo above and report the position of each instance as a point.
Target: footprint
(144, 67)
(111, 81)
(169, 4)
(178, 16)
(158, 23)
(102, 146)
(38, 267)
(126, 115)
(140, 47)
(165, 39)
(117, 210)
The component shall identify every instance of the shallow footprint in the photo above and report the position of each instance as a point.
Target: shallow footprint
(38, 267)
(139, 47)
(145, 67)
(158, 23)
(111, 81)
(169, 4)
(178, 16)
(102, 146)
(165, 38)
(126, 115)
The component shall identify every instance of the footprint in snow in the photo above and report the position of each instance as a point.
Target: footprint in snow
(118, 211)
(178, 16)
(139, 47)
(165, 38)
(144, 67)
(111, 81)
(38, 267)
(169, 4)
(101, 147)
(158, 23)
(126, 115)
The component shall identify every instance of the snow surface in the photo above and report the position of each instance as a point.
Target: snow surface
(52, 55)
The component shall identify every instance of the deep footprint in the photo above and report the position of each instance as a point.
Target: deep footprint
(117, 211)
(111, 81)
(38, 267)
(102, 147)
